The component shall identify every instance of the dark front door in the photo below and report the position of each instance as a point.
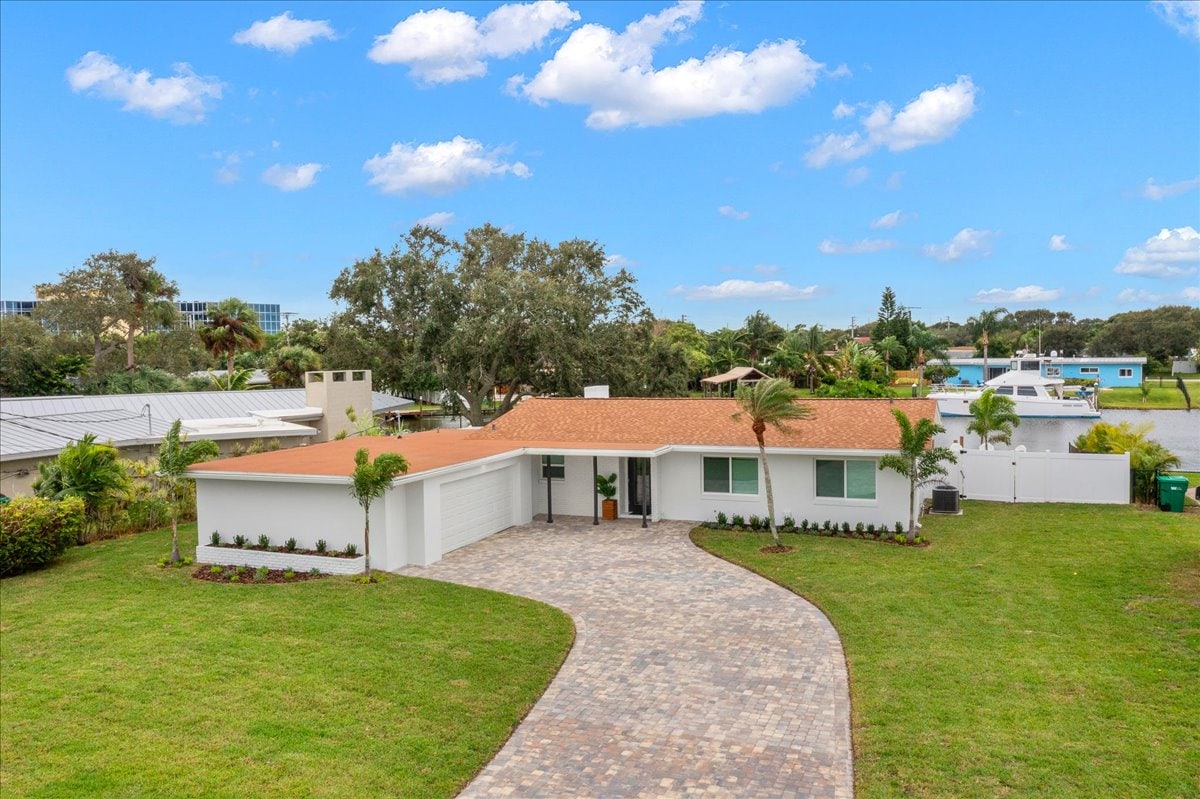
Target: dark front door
(637, 477)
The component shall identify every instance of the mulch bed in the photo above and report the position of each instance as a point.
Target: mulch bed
(775, 550)
(250, 576)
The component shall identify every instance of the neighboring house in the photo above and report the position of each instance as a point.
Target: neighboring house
(35, 429)
(1111, 372)
(193, 313)
(684, 459)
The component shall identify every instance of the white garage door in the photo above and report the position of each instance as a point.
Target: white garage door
(475, 508)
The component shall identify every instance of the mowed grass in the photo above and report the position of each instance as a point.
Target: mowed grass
(1168, 397)
(1031, 651)
(124, 680)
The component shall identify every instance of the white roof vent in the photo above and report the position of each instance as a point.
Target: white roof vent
(595, 392)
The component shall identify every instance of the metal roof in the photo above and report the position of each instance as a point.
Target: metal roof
(35, 426)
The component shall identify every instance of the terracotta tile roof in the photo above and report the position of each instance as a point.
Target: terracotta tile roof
(599, 424)
(423, 451)
(625, 423)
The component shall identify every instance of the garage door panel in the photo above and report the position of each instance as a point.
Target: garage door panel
(476, 507)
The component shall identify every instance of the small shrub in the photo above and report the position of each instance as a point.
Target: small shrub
(234, 578)
(215, 570)
(240, 541)
(240, 570)
(264, 541)
(35, 531)
(919, 540)
(289, 574)
(314, 571)
(755, 522)
(215, 539)
(789, 521)
(804, 526)
(871, 528)
(845, 527)
(186, 560)
(351, 550)
(899, 538)
(260, 574)
(322, 546)
(722, 519)
(737, 520)
(164, 561)
(290, 545)
(367, 579)
(899, 528)
(860, 528)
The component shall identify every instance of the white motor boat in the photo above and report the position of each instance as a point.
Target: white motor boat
(1035, 397)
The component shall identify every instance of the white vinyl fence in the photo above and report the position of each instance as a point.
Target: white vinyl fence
(1011, 476)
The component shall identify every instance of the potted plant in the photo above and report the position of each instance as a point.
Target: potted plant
(607, 488)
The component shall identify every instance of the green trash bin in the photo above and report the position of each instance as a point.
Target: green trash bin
(1171, 490)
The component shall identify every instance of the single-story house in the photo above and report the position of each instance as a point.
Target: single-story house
(1111, 372)
(35, 429)
(680, 459)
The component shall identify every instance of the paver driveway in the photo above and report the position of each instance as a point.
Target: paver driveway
(689, 676)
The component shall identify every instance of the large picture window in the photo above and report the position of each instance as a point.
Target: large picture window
(846, 479)
(731, 475)
(554, 467)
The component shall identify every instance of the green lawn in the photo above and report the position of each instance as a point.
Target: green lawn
(1031, 651)
(1166, 398)
(124, 680)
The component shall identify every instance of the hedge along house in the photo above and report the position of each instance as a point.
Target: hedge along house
(1110, 372)
(679, 459)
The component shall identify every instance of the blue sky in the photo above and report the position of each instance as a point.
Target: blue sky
(734, 156)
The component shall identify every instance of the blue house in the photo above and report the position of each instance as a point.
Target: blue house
(1110, 372)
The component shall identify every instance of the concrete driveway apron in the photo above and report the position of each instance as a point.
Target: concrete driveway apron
(689, 676)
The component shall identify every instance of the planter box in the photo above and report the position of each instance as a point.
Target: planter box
(254, 558)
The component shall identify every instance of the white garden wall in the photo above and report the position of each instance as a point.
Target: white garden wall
(254, 558)
(1011, 476)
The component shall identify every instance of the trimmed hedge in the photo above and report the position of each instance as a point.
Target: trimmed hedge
(34, 531)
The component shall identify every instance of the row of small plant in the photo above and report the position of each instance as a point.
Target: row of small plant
(826, 528)
(264, 545)
(246, 574)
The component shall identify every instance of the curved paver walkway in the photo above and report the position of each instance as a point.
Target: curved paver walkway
(689, 676)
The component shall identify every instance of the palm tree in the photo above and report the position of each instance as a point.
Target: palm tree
(788, 359)
(916, 459)
(890, 347)
(174, 457)
(151, 298)
(983, 325)
(232, 326)
(762, 335)
(288, 364)
(995, 417)
(368, 483)
(927, 345)
(87, 470)
(816, 362)
(769, 402)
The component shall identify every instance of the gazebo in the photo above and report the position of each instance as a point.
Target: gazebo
(734, 377)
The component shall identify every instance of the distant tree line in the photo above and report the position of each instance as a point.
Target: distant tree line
(495, 313)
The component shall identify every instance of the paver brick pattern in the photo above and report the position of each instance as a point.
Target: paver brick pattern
(689, 676)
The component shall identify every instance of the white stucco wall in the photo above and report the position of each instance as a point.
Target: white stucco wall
(283, 510)
(681, 478)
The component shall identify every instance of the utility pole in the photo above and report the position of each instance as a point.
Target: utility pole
(287, 327)
(852, 321)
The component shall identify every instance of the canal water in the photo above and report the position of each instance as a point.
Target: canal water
(1178, 431)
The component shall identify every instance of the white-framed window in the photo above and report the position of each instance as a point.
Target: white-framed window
(1125, 372)
(554, 466)
(1089, 370)
(846, 479)
(731, 475)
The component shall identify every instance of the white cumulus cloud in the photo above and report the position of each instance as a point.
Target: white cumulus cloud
(291, 177)
(1190, 294)
(1058, 243)
(437, 219)
(183, 98)
(843, 110)
(613, 74)
(857, 175)
(967, 243)
(1172, 253)
(730, 212)
(935, 115)
(438, 168)
(892, 220)
(749, 290)
(1153, 190)
(865, 246)
(283, 34)
(1017, 296)
(443, 46)
(1182, 15)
